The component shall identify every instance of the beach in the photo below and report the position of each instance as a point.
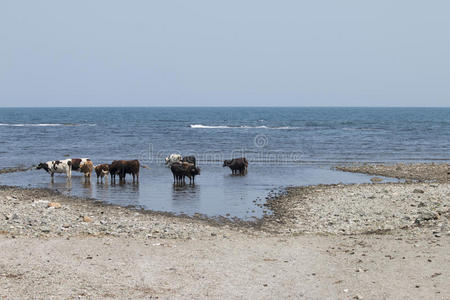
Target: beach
(357, 241)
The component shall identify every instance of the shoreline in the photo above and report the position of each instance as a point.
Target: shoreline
(322, 241)
(285, 207)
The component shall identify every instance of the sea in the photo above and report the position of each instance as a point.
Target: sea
(285, 146)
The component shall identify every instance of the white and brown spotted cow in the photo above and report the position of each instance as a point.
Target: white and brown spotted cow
(57, 166)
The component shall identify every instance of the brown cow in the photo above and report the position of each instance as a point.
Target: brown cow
(76, 163)
(102, 170)
(123, 167)
(86, 168)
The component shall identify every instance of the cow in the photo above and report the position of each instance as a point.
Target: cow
(86, 168)
(102, 170)
(76, 163)
(191, 172)
(57, 166)
(181, 170)
(172, 158)
(178, 172)
(237, 164)
(123, 167)
(189, 159)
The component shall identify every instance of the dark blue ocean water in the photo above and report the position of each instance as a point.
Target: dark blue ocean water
(285, 146)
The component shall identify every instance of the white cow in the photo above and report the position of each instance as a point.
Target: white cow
(57, 166)
(173, 158)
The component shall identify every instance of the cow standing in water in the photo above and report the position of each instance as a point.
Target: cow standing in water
(77, 162)
(237, 164)
(182, 170)
(172, 159)
(102, 171)
(87, 168)
(123, 167)
(57, 166)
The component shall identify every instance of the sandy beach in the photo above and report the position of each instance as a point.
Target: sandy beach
(361, 241)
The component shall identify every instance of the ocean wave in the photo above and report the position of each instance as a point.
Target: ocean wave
(240, 127)
(43, 124)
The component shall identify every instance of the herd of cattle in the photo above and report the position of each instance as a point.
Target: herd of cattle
(181, 168)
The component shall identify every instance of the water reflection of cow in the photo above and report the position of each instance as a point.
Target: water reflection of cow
(237, 165)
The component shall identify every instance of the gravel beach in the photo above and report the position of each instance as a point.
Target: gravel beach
(361, 241)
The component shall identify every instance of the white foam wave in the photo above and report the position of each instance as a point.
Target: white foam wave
(239, 127)
(42, 125)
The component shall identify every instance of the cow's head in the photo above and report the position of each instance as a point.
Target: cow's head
(226, 163)
(195, 170)
(43, 166)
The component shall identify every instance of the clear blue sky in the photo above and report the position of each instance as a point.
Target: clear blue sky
(123, 53)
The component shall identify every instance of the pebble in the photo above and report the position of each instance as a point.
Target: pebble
(87, 219)
(54, 204)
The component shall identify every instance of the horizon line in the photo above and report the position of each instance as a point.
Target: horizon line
(225, 106)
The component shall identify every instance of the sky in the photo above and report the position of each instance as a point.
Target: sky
(224, 53)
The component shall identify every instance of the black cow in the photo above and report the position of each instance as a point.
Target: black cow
(189, 159)
(181, 170)
(237, 164)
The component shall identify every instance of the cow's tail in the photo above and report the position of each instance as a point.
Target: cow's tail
(145, 167)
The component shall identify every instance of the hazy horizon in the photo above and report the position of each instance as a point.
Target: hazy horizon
(201, 53)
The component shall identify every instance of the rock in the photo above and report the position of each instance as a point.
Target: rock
(421, 204)
(418, 191)
(45, 230)
(426, 216)
(87, 219)
(54, 204)
(376, 179)
(358, 297)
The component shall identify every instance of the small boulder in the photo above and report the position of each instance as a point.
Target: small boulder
(54, 204)
(376, 179)
(87, 219)
(426, 216)
(418, 191)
